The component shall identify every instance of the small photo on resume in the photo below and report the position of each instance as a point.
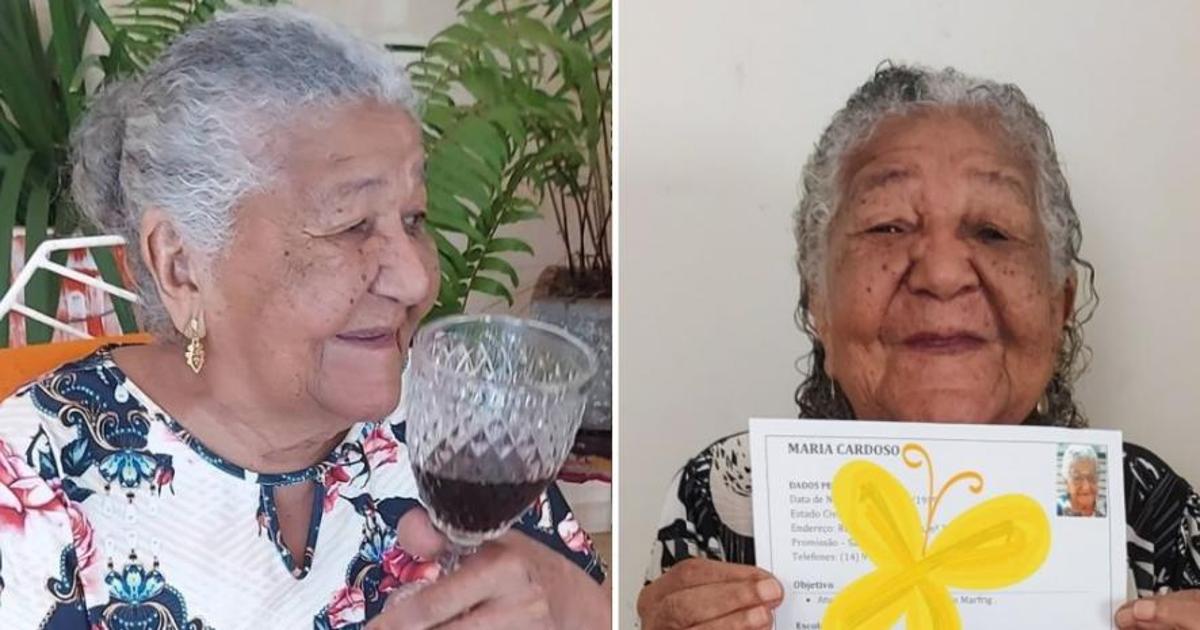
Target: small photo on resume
(1082, 486)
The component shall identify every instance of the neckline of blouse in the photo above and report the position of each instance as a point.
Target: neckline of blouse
(314, 472)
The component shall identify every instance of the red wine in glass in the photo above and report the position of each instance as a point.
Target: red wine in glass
(476, 509)
(492, 404)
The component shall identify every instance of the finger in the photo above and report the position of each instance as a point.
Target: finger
(701, 604)
(1126, 619)
(1146, 625)
(487, 575)
(698, 572)
(532, 614)
(416, 534)
(758, 618)
(1180, 610)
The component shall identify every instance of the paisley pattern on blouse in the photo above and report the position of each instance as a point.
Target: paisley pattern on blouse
(380, 566)
(140, 598)
(112, 515)
(111, 431)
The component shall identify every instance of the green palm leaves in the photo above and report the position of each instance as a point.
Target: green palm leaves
(509, 91)
(42, 94)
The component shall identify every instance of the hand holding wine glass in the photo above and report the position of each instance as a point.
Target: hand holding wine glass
(511, 582)
(491, 407)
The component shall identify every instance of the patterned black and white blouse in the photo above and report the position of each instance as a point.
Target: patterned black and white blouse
(707, 515)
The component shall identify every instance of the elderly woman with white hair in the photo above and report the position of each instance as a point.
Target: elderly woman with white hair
(938, 252)
(1081, 476)
(241, 471)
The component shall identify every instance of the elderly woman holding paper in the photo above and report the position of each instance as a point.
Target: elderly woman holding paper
(242, 471)
(938, 251)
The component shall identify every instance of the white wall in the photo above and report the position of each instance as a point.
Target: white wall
(386, 21)
(720, 103)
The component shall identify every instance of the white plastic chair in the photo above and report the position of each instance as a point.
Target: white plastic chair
(41, 260)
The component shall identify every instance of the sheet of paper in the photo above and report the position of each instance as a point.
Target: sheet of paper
(1003, 526)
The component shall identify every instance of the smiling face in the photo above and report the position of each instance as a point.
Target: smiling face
(938, 302)
(1082, 483)
(330, 270)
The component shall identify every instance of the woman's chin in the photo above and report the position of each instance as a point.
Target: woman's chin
(364, 399)
(950, 409)
(358, 385)
(1084, 509)
(373, 409)
(950, 418)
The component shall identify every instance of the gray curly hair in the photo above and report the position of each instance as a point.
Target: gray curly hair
(899, 90)
(185, 136)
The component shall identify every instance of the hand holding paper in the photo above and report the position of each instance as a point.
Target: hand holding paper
(701, 593)
(1173, 611)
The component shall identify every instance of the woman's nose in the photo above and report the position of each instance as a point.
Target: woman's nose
(403, 274)
(942, 267)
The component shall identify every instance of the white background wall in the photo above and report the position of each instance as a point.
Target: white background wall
(386, 21)
(720, 102)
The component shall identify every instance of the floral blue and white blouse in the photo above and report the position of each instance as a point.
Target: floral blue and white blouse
(112, 516)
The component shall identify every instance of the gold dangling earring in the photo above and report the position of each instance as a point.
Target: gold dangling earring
(195, 348)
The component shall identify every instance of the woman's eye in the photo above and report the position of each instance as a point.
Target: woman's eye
(991, 233)
(413, 222)
(886, 228)
(361, 226)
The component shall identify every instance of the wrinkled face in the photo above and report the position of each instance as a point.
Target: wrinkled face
(938, 302)
(1082, 484)
(331, 269)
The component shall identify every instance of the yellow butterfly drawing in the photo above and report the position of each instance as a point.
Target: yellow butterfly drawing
(992, 545)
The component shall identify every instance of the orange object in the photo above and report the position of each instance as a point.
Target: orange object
(19, 366)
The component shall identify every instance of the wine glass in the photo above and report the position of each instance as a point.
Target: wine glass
(492, 404)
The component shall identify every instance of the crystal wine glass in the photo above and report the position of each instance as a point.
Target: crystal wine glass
(492, 404)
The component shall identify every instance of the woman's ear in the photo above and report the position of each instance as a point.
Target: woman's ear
(816, 317)
(819, 321)
(173, 266)
(1069, 287)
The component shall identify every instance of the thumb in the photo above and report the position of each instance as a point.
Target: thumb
(416, 534)
(1180, 609)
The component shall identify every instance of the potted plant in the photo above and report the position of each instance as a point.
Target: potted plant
(518, 120)
(575, 180)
